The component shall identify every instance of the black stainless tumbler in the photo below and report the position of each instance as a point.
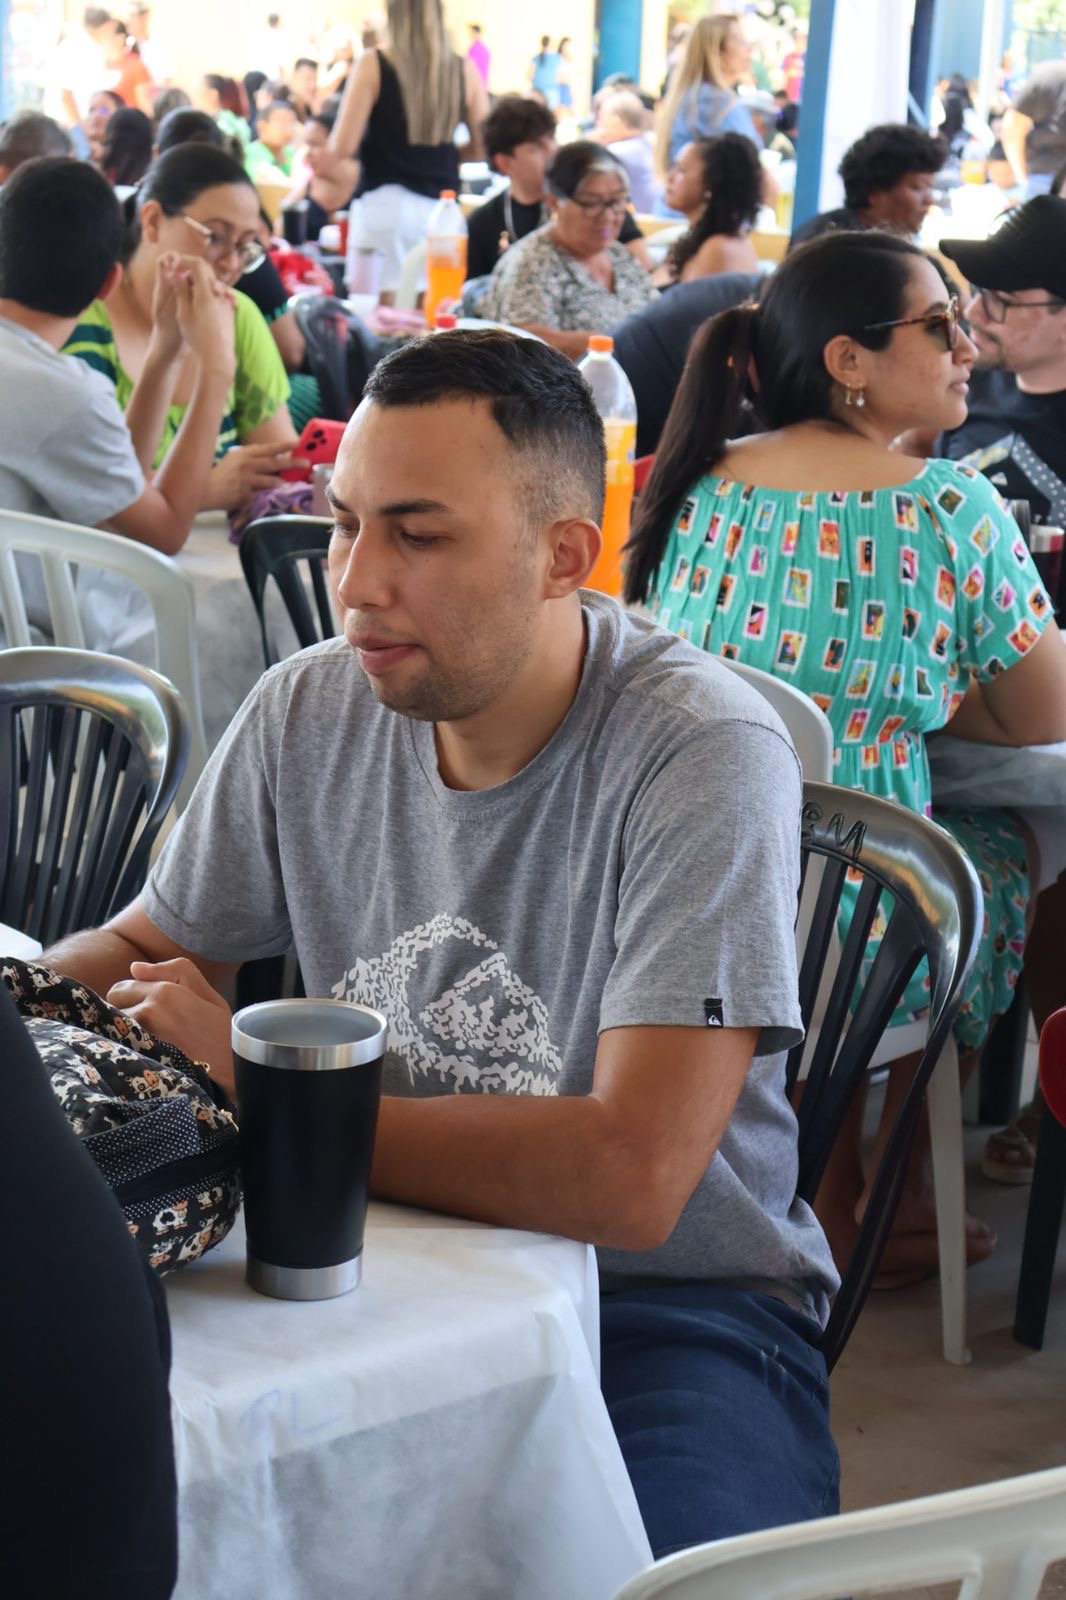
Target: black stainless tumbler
(308, 1089)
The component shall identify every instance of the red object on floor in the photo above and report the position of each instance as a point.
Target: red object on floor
(641, 468)
(1053, 1064)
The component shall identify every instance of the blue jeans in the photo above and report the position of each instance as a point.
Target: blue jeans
(720, 1402)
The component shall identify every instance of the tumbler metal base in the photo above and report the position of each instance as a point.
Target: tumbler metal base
(304, 1283)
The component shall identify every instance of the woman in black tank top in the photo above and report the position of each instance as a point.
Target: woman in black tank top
(400, 110)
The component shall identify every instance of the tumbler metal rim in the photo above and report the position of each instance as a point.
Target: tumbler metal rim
(304, 1283)
(310, 1057)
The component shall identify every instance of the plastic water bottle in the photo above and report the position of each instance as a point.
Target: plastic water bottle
(616, 405)
(446, 239)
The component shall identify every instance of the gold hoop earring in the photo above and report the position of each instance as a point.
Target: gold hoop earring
(854, 397)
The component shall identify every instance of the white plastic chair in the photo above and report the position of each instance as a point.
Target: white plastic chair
(813, 738)
(411, 274)
(997, 1541)
(58, 545)
(807, 723)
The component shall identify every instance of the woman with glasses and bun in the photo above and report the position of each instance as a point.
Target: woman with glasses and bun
(896, 592)
(572, 278)
(198, 201)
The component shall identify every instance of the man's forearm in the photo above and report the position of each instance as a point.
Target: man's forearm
(149, 404)
(548, 1165)
(99, 957)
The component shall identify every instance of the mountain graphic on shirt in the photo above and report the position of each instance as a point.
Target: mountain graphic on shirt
(487, 1031)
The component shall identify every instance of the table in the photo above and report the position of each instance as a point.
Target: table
(18, 944)
(1029, 779)
(439, 1434)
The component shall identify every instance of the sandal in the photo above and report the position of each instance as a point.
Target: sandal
(1010, 1155)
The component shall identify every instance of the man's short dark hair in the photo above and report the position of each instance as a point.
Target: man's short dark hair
(538, 399)
(514, 120)
(61, 231)
(305, 61)
(95, 17)
(883, 156)
(30, 135)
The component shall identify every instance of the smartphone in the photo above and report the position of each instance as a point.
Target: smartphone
(318, 446)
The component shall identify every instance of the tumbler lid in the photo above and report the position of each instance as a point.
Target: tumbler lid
(309, 1035)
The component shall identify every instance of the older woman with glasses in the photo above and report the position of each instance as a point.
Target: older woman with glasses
(572, 278)
(896, 592)
(198, 201)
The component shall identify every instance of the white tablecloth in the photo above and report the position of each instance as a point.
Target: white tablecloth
(1030, 780)
(438, 1434)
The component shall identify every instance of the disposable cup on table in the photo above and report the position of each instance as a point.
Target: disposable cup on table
(308, 1089)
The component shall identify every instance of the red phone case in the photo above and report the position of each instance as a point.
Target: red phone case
(318, 445)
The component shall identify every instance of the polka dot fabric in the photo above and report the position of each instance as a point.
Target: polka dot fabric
(160, 1131)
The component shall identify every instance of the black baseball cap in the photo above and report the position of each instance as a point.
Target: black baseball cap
(1027, 250)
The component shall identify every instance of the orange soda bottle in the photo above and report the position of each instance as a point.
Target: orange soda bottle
(446, 239)
(618, 408)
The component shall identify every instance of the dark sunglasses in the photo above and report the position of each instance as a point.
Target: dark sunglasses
(944, 325)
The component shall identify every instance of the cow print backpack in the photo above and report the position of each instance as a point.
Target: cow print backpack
(161, 1131)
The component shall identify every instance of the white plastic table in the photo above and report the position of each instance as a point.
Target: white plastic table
(439, 1434)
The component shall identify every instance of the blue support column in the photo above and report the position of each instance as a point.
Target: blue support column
(621, 24)
(924, 40)
(6, 87)
(812, 111)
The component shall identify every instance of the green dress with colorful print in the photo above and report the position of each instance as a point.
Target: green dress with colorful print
(878, 605)
(260, 385)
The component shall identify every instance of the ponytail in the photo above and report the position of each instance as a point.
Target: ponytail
(705, 415)
(131, 227)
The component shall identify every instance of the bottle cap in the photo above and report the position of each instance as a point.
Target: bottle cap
(446, 320)
(447, 194)
(601, 341)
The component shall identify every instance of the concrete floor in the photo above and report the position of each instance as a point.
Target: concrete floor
(908, 1424)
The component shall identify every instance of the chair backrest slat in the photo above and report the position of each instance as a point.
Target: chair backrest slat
(273, 548)
(106, 747)
(935, 911)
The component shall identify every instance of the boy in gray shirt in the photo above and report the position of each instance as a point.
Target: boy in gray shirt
(65, 448)
(558, 847)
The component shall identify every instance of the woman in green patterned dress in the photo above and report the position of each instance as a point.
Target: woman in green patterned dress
(898, 593)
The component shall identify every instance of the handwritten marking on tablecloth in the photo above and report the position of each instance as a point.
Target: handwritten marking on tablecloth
(278, 1407)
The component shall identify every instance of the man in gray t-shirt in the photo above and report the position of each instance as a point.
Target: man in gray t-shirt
(567, 872)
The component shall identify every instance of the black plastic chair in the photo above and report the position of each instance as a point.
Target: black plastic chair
(931, 898)
(1047, 1198)
(273, 547)
(94, 749)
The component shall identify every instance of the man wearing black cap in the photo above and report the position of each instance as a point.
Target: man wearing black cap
(1016, 429)
(1015, 434)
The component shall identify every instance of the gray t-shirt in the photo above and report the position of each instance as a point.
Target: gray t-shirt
(66, 452)
(641, 870)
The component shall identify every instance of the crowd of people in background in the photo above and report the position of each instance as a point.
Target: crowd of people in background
(363, 133)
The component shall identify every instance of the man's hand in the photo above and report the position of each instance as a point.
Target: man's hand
(174, 1001)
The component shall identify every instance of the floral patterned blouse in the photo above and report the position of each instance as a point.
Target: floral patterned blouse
(535, 281)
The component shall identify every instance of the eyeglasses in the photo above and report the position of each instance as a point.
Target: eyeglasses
(995, 305)
(944, 324)
(219, 245)
(600, 208)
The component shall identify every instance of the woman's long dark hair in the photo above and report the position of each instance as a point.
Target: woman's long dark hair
(769, 357)
(732, 173)
(176, 180)
(126, 153)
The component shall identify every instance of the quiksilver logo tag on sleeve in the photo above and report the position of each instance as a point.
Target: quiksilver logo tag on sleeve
(712, 1011)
